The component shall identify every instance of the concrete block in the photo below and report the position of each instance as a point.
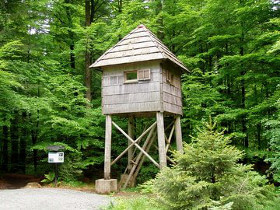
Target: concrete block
(104, 186)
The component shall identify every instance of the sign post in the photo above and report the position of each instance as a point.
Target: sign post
(56, 157)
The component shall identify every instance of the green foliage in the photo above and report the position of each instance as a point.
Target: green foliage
(134, 203)
(71, 169)
(208, 175)
(230, 47)
(273, 133)
(49, 177)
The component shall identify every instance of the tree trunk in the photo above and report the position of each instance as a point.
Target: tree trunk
(23, 140)
(87, 51)
(243, 90)
(259, 127)
(15, 143)
(5, 152)
(71, 36)
(159, 8)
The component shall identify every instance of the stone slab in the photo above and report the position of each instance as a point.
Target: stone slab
(103, 186)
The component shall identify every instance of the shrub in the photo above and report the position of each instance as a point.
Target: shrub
(208, 175)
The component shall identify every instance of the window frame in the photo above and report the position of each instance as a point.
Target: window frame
(138, 78)
(130, 80)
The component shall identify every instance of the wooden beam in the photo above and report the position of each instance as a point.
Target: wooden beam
(178, 133)
(143, 158)
(108, 142)
(139, 157)
(128, 137)
(161, 140)
(133, 142)
(169, 139)
(131, 133)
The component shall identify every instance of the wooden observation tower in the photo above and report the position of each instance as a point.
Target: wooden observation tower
(141, 78)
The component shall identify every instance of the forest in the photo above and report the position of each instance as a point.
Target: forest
(50, 96)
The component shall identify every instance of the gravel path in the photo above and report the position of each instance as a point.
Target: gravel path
(51, 199)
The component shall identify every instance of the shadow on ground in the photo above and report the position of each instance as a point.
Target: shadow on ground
(16, 181)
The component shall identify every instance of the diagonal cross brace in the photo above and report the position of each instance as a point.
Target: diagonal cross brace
(135, 142)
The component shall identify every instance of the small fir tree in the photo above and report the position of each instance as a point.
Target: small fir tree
(208, 174)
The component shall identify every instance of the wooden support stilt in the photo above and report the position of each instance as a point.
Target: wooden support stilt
(131, 132)
(178, 133)
(108, 141)
(161, 140)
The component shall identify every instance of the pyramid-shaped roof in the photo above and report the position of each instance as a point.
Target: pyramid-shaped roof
(139, 45)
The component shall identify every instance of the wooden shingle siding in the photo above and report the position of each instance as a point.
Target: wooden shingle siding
(130, 46)
(140, 96)
(131, 98)
(131, 88)
(172, 95)
(131, 108)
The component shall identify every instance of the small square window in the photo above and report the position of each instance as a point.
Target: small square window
(130, 76)
(137, 75)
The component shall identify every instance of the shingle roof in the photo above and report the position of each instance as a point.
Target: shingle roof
(139, 45)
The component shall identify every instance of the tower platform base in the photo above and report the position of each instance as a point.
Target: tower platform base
(103, 186)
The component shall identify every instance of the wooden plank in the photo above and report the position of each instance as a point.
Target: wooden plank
(172, 108)
(167, 97)
(142, 87)
(161, 140)
(178, 134)
(132, 52)
(169, 139)
(108, 142)
(139, 34)
(130, 59)
(131, 108)
(140, 39)
(172, 90)
(131, 133)
(134, 46)
(131, 98)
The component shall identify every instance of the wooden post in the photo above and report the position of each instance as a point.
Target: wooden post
(161, 140)
(108, 141)
(178, 133)
(131, 133)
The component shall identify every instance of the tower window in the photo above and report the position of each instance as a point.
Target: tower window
(136, 75)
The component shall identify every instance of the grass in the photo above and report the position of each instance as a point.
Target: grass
(134, 203)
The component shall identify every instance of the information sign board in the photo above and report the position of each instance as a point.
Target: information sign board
(56, 157)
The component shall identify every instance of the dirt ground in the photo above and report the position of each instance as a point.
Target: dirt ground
(16, 181)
